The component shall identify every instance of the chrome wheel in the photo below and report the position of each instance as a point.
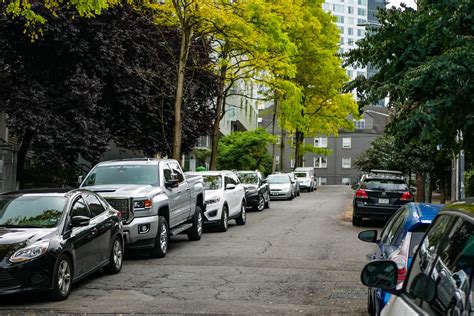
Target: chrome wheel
(199, 224)
(117, 254)
(225, 219)
(64, 277)
(243, 213)
(261, 203)
(164, 238)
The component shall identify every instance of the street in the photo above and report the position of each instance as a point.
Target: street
(298, 256)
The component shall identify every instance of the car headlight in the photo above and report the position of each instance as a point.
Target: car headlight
(252, 191)
(31, 252)
(213, 200)
(141, 204)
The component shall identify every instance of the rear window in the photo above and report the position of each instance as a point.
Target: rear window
(301, 175)
(384, 185)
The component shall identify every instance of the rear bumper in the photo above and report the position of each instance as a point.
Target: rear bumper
(280, 195)
(375, 211)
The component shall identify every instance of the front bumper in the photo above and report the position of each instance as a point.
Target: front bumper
(251, 199)
(136, 237)
(31, 276)
(213, 213)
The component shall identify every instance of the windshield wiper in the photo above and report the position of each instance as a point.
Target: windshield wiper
(20, 226)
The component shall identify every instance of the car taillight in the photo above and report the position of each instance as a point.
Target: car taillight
(406, 196)
(361, 194)
(402, 265)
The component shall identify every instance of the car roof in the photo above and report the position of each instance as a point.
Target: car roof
(209, 173)
(464, 207)
(420, 214)
(134, 161)
(47, 191)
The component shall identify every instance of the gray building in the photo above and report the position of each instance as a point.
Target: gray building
(337, 167)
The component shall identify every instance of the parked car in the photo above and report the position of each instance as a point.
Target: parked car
(440, 279)
(280, 186)
(379, 196)
(295, 183)
(155, 198)
(398, 241)
(50, 239)
(257, 190)
(225, 199)
(305, 179)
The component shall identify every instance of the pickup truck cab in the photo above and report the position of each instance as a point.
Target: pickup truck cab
(155, 198)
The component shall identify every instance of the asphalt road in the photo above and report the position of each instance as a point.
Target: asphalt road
(298, 256)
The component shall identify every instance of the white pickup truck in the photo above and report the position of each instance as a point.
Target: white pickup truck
(155, 198)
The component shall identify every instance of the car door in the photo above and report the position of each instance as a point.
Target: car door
(240, 192)
(390, 231)
(102, 221)
(83, 239)
(173, 198)
(182, 192)
(229, 195)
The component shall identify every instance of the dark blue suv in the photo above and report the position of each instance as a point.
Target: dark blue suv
(398, 242)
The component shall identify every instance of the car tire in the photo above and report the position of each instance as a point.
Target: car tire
(356, 219)
(115, 257)
(298, 193)
(161, 240)
(62, 279)
(370, 304)
(224, 222)
(195, 232)
(291, 197)
(267, 203)
(242, 219)
(260, 204)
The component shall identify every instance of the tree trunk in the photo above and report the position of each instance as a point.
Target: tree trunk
(282, 150)
(183, 59)
(21, 155)
(442, 188)
(275, 107)
(420, 188)
(297, 148)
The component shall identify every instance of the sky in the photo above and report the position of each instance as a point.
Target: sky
(396, 3)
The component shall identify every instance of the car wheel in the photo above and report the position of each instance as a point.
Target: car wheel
(267, 203)
(260, 204)
(224, 222)
(298, 193)
(370, 304)
(161, 239)
(356, 219)
(116, 257)
(62, 279)
(291, 197)
(242, 219)
(195, 232)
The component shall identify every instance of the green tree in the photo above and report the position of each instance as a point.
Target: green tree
(246, 151)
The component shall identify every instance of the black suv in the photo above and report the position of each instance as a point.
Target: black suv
(257, 191)
(379, 195)
(440, 280)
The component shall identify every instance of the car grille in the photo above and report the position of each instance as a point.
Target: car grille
(7, 281)
(123, 206)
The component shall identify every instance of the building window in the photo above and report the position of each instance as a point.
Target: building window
(346, 181)
(338, 8)
(359, 124)
(340, 19)
(321, 142)
(320, 162)
(361, 21)
(360, 32)
(350, 10)
(341, 28)
(350, 31)
(346, 142)
(362, 2)
(362, 12)
(346, 163)
(322, 181)
(350, 21)
(277, 160)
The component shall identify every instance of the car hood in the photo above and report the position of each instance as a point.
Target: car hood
(249, 186)
(124, 190)
(210, 194)
(12, 239)
(283, 186)
(303, 179)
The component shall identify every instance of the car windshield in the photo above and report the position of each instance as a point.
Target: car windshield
(278, 179)
(384, 185)
(301, 175)
(31, 210)
(248, 178)
(123, 174)
(212, 182)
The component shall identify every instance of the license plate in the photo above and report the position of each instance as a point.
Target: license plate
(273, 193)
(384, 201)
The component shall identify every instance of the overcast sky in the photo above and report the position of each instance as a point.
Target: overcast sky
(410, 3)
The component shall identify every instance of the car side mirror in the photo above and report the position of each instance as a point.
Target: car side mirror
(172, 183)
(79, 180)
(80, 221)
(230, 186)
(380, 274)
(368, 235)
(423, 287)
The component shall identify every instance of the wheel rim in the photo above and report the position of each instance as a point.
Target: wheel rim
(199, 224)
(163, 238)
(225, 220)
(118, 255)
(244, 213)
(261, 203)
(64, 277)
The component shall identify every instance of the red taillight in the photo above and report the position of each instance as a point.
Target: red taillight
(361, 194)
(401, 262)
(406, 196)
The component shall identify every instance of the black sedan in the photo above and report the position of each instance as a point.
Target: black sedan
(52, 238)
(257, 191)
